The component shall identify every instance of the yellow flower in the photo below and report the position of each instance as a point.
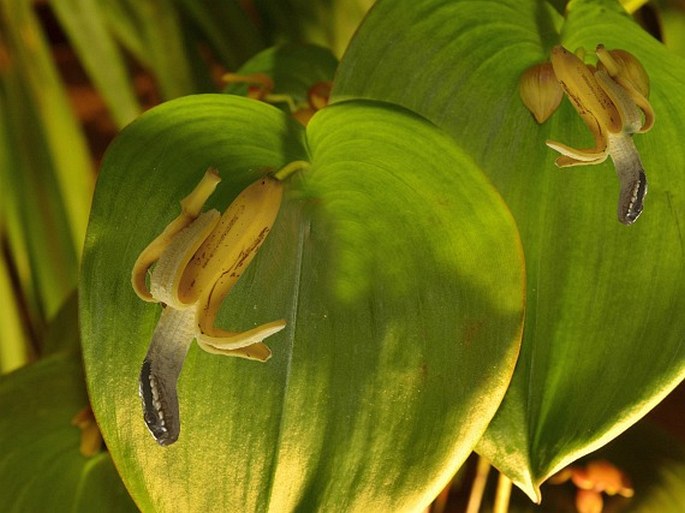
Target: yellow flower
(198, 258)
(611, 100)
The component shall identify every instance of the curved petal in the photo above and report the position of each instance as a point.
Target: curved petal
(258, 351)
(221, 340)
(578, 157)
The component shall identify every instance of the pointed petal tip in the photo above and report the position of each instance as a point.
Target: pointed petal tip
(138, 281)
(540, 91)
(192, 204)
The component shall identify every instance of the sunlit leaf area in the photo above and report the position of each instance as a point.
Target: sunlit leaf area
(342, 256)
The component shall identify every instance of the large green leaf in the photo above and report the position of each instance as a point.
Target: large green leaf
(604, 329)
(41, 468)
(397, 268)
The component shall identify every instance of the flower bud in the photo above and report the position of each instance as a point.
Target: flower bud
(540, 91)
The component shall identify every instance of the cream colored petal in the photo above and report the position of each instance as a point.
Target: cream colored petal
(565, 161)
(646, 108)
(576, 157)
(169, 268)
(259, 352)
(221, 339)
(152, 253)
(191, 206)
(231, 246)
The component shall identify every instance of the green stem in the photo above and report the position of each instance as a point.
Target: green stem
(502, 494)
(292, 168)
(478, 486)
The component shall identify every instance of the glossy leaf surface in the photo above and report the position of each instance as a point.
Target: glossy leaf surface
(603, 338)
(397, 268)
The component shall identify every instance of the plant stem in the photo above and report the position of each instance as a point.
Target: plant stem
(478, 486)
(289, 169)
(502, 495)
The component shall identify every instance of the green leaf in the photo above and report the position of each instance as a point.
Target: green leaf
(124, 22)
(85, 25)
(152, 31)
(62, 154)
(397, 268)
(13, 262)
(61, 335)
(14, 340)
(603, 339)
(41, 465)
(41, 198)
(329, 23)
